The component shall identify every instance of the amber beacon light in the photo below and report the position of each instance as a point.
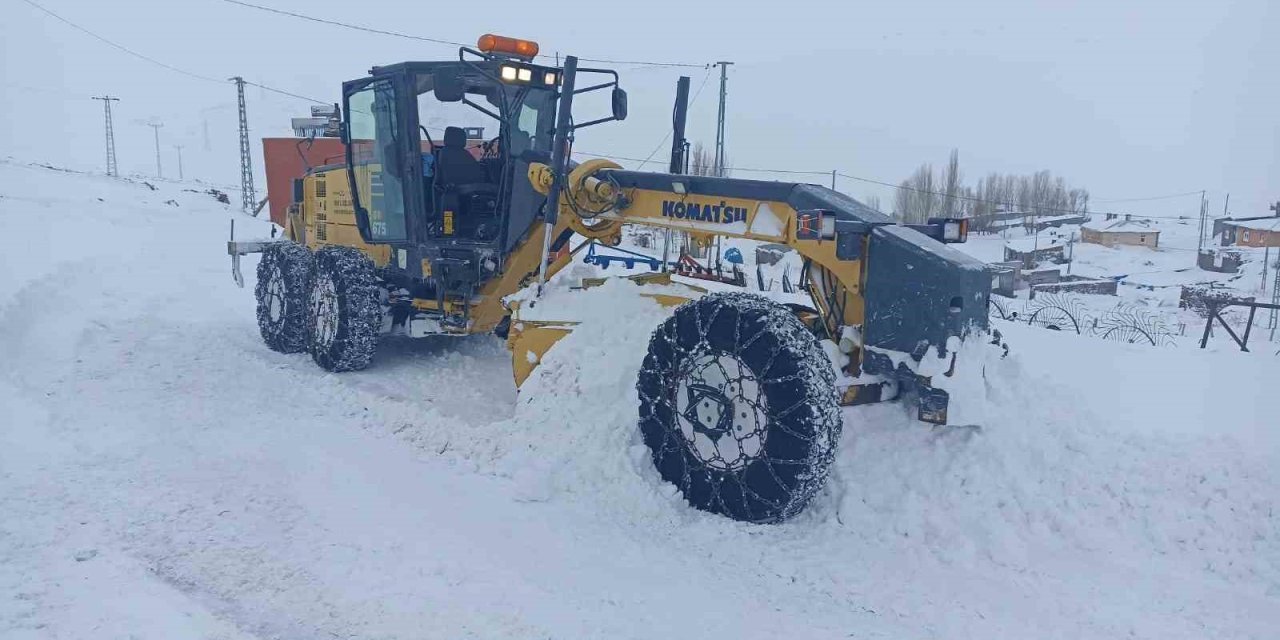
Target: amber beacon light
(490, 43)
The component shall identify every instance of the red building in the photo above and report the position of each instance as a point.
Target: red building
(286, 159)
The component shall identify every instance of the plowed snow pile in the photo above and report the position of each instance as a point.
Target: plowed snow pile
(164, 475)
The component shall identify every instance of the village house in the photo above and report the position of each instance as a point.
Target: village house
(1032, 251)
(1250, 232)
(1120, 231)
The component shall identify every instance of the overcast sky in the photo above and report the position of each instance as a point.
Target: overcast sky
(1126, 98)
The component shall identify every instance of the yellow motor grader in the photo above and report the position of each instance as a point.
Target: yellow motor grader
(428, 227)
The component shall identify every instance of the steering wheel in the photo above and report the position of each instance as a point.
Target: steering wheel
(492, 147)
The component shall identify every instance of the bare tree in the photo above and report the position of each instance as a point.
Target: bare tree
(872, 201)
(1078, 201)
(703, 162)
(918, 197)
(950, 183)
(1035, 196)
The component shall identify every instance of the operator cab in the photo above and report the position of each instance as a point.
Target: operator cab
(423, 173)
(438, 156)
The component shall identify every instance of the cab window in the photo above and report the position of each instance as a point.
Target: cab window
(377, 161)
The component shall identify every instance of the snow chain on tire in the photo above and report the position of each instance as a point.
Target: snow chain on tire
(738, 407)
(344, 313)
(283, 289)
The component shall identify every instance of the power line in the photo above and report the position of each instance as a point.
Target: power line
(409, 36)
(335, 23)
(66, 95)
(1164, 197)
(120, 46)
(285, 93)
(648, 63)
(159, 63)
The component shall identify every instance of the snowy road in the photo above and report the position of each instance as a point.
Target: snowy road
(164, 475)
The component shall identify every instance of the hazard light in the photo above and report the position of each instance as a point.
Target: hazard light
(490, 43)
(955, 230)
(949, 230)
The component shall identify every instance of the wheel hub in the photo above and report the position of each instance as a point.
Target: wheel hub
(721, 412)
(325, 311)
(275, 296)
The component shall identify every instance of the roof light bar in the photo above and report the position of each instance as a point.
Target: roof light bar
(490, 43)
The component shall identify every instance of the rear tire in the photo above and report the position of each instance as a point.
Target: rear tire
(738, 407)
(284, 285)
(344, 312)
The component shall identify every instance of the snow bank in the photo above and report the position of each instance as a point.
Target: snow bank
(167, 476)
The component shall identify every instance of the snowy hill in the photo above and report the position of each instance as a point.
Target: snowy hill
(164, 475)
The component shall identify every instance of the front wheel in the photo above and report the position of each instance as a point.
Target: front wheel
(284, 283)
(345, 314)
(738, 407)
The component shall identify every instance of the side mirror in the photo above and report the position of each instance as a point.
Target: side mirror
(448, 85)
(343, 134)
(619, 103)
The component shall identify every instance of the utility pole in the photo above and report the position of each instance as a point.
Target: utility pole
(1266, 262)
(179, 148)
(1071, 251)
(248, 197)
(155, 126)
(1035, 228)
(1274, 320)
(112, 168)
(833, 179)
(1204, 213)
(679, 153)
(724, 80)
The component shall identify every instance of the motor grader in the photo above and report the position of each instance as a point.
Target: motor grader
(428, 228)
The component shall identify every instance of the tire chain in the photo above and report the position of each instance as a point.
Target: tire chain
(792, 340)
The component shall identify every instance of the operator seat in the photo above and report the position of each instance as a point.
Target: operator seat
(463, 184)
(457, 166)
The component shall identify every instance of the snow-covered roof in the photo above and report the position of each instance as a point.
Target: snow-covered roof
(1058, 218)
(1260, 224)
(1118, 225)
(1029, 243)
(1014, 220)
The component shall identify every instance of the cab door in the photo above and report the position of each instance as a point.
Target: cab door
(380, 164)
(528, 138)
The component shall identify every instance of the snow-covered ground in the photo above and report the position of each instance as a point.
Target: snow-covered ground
(164, 475)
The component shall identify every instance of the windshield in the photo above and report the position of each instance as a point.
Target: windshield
(534, 124)
(434, 116)
(531, 128)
